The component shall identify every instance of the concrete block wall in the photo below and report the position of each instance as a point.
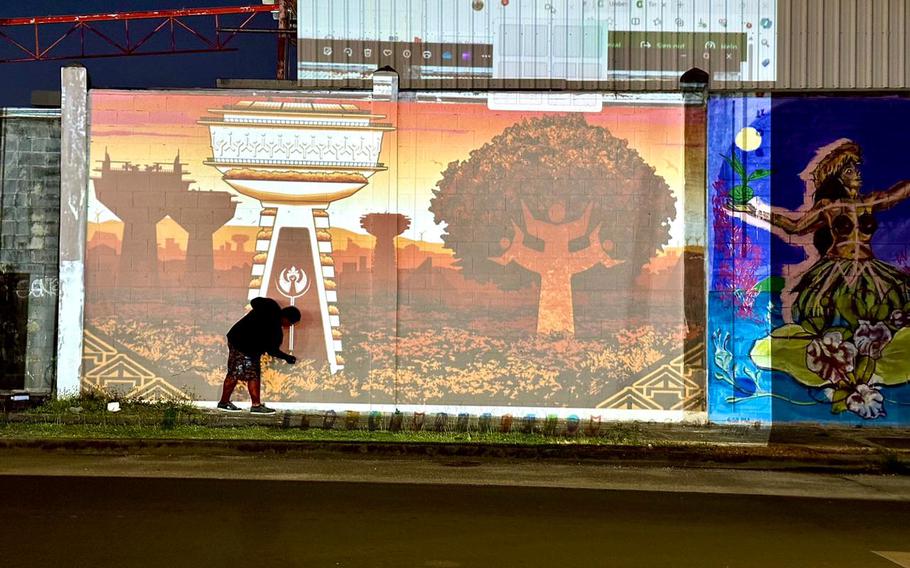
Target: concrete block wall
(29, 246)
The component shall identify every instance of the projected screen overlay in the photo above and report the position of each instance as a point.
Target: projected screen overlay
(575, 40)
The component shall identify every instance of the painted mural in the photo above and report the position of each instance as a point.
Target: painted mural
(810, 279)
(441, 253)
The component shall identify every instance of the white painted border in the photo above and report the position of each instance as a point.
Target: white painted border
(540, 412)
(573, 101)
(70, 338)
(17, 112)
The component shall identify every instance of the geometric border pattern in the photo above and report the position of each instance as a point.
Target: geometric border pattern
(665, 386)
(106, 369)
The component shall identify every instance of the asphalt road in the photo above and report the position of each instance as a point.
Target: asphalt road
(99, 521)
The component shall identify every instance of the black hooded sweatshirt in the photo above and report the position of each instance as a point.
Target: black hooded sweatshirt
(259, 331)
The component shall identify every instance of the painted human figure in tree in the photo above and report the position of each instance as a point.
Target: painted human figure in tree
(555, 263)
(505, 209)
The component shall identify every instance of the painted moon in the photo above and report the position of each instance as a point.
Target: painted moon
(748, 139)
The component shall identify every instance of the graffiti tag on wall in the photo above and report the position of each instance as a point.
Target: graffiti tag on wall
(39, 288)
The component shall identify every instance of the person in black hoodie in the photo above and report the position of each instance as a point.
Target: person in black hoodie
(258, 332)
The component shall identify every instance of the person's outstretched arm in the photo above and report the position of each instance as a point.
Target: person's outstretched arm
(276, 338)
(279, 354)
(880, 200)
(809, 221)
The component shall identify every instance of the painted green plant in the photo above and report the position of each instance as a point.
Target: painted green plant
(741, 193)
(849, 360)
(743, 380)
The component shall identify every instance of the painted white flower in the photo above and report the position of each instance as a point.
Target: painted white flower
(831, 357)
(867, 402)
(871, 339)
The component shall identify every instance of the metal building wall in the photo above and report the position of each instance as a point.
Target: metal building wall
(843, 44)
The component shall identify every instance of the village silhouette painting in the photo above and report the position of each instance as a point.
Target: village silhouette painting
(444, 253)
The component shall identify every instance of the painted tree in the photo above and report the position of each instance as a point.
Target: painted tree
(240, 241)
(552, 197)
(385, 227)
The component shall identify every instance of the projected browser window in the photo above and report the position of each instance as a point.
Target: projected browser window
(575, 40)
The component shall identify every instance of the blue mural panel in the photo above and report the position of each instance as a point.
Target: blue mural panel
(829, 212)
(739, 155)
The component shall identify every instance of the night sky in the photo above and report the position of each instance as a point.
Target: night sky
(255, 58)
(801, 126)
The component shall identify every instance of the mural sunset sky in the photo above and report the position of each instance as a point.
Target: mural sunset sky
(427, 137)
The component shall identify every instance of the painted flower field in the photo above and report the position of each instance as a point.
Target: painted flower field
(446, 365)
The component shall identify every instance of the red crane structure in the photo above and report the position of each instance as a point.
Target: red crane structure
(151, 32)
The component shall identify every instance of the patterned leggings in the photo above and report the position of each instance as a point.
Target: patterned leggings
(246, 368)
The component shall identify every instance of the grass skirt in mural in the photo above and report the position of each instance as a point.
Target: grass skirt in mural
(243, 367)
(850, 289)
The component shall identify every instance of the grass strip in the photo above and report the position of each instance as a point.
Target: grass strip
(50, 430)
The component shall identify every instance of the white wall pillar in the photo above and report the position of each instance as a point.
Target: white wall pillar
(74, 172)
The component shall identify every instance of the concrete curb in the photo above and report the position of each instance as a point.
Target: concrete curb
(794, 447)
(742, 457)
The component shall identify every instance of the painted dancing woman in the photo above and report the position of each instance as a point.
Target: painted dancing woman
(842, 221)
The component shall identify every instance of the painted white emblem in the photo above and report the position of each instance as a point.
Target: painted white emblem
(292, 283)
